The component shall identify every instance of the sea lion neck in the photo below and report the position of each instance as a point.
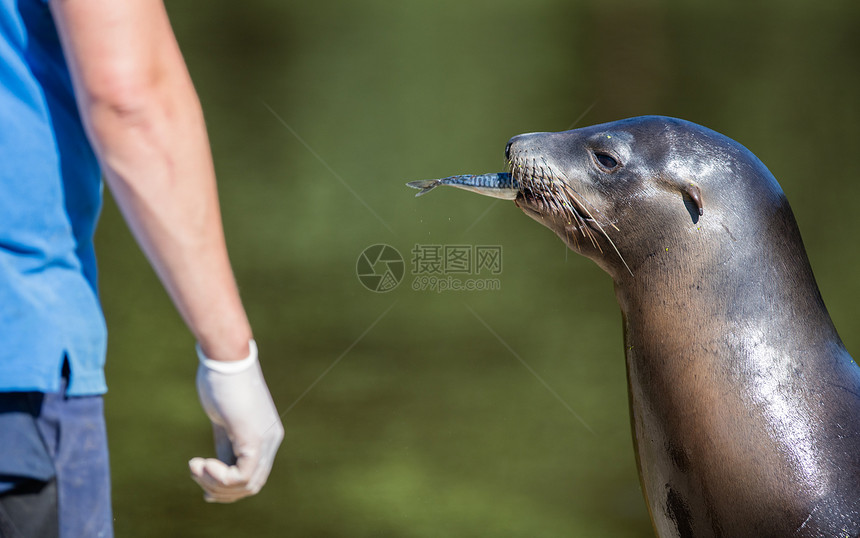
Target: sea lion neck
(707, 284)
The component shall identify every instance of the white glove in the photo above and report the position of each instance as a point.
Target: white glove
(246, 424)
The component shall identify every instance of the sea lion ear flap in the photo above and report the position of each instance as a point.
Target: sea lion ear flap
(695, 194)
(691, 195)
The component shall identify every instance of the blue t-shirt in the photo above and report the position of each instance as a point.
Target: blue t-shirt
(50, 198)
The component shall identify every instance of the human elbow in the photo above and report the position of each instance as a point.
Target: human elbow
(119, 101)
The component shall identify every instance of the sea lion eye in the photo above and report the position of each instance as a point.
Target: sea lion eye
(605, 160)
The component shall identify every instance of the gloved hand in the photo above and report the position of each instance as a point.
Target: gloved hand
(246, 425)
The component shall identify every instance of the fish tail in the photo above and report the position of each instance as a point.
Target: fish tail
(426, 185)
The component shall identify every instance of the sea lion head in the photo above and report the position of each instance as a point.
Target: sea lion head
(622, 192)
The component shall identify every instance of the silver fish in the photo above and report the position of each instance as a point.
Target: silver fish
(496, 185)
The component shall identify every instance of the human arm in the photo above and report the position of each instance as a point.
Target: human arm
(144, 120)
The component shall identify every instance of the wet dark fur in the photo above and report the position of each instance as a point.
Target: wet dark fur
(745, 405)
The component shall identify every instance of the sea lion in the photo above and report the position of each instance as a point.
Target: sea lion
(745, 404)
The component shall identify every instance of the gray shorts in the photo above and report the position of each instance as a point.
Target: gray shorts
(54, 471)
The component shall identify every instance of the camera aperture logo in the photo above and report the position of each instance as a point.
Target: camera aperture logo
(439, 268)
(380, 268)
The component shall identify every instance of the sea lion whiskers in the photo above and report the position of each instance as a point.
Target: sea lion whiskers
(525, 172)
(567, 186)
(543, 183)
(582, 199)
(567, 207)
(532, 176)
(580, 225)
(543, 178)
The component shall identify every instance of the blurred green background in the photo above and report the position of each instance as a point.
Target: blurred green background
(428, 424)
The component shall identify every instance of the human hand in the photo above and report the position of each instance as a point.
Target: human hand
(246, 425)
